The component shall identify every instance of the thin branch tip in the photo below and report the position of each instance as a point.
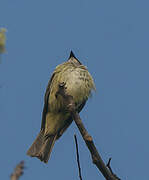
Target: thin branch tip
(108, 164)
(110, 169)
(77, 152)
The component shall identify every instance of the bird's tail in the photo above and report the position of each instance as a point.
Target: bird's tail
(42, 147)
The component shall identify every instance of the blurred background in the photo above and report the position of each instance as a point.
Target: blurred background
(111, 39)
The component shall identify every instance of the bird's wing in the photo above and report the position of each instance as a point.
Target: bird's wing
(46, 104)
(46, 98)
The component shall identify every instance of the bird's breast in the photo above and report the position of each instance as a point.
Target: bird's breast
(79, 84)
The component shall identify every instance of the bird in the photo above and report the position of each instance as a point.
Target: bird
(2, 40)
(55, 118)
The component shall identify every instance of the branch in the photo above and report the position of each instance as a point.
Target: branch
(18, 171)
(78, 157)
(108, 165)
(96, 158)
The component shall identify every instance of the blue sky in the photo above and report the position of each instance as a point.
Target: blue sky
(111, 39)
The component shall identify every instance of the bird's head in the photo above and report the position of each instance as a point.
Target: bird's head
(73, 59)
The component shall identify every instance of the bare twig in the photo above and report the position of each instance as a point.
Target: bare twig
(96, 158)
(18, 171)
(108, 165)
(78, 161)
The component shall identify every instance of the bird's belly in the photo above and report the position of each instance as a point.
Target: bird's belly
(77, 83)
(78, 86)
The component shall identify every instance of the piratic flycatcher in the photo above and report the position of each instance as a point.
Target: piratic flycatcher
(55, 118)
